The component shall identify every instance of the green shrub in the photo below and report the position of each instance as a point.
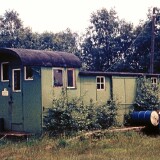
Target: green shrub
(67, 116)
(147, 96)
(106, 114)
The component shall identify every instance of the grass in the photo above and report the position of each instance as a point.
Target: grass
(109, 146)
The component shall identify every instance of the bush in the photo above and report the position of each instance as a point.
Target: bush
(67, 116)
(147, 96)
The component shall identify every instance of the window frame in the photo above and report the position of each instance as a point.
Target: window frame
(25, 74)
(2, 72)
(73, 78)
(53, 83)
(152, 80)
(100, 83)
(13, 81)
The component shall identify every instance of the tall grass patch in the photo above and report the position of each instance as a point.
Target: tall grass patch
(126, 146)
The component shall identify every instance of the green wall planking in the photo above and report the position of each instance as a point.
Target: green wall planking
(124, 91)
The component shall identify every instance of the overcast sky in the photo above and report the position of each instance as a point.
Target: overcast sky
(57, 15)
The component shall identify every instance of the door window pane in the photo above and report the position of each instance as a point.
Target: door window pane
(5, 71)
(70, 78)
(58, 77)
(16, 80)
(28, 73)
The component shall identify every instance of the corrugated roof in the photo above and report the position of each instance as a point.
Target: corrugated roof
(41, 57)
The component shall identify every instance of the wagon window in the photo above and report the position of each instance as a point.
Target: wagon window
(100, 83)
(58, 77)
(70, 78)
(16, 80)
(5, 72)
(28, 73)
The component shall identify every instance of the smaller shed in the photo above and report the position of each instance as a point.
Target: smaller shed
(102, 86)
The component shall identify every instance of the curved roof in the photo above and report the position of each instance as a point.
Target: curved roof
(41, 57)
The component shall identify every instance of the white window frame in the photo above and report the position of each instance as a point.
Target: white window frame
(74, 80)
(2, 71)
(154, 80)
(13, 70)
(53, 76)
(100, 83)
(25, 74)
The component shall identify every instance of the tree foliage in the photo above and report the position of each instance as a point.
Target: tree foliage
(111, 44)
(14, 35)
(66, 41)
(10, 27)
(105, 41)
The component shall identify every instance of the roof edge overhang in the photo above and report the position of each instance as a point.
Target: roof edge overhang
(97, 73)
(10, 56)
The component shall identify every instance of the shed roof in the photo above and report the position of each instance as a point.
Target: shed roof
(41, 57)
(99, 73)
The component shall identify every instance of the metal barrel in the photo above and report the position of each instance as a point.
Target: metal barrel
(145, 118)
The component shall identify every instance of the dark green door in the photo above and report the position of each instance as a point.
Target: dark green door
(16, 102)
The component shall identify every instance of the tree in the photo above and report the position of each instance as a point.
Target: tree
(62, 41)
(123, 43)
(46, 41)
(134, 57)
(111, 44)
(14, 35)
(137, 56)
(105, 41)
(66, 41)
(10, 27)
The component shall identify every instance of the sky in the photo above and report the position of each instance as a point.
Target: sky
(58, 15)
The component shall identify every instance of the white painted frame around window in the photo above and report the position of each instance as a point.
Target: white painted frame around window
(73, 78)
(154, 80)
(53, 80)
(2, 72)
(25, 74)
(100, 83)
